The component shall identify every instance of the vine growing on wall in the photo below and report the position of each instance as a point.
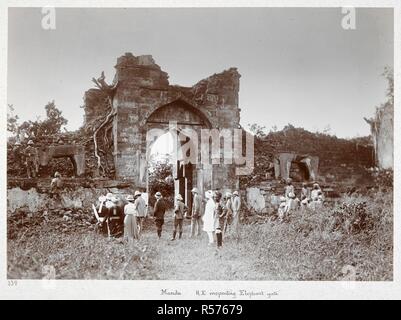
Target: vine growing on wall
(106, 125)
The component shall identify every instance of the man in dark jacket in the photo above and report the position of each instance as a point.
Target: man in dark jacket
(159, 211)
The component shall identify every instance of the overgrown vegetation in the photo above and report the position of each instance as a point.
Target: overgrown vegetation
(161, 180)
(351, 241)
(356, 236)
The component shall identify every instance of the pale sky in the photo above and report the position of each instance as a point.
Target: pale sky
(298, 65)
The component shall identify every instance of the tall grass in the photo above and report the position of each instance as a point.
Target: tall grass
(313, 246)
(352, 240)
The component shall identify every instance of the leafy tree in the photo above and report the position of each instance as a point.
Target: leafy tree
(258, 130)
(55, 121)
(39, 129)
(12, 120)
(161, 180)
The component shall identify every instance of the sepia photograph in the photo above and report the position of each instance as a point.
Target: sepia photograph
(215, 143)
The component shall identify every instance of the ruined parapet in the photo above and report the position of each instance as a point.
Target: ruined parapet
(220, 90)
(140, 71)
(145, 100)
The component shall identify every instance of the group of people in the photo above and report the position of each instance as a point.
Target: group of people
(311, 199)
(117, 218)
(215, 215)
(219, 214)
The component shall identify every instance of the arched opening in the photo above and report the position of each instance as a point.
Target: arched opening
(160, 169)
(299, 171)
(175, 130)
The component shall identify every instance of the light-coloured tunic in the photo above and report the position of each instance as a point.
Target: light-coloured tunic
(130, 226)
(209, 217)
(140, 207)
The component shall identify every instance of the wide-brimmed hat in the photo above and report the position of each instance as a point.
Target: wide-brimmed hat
(102, 198)
(109, 196)
(57, 174)
(158, 195)
(195, 190)
(137, 193)
(179, 197)
(228, 195)
(17, 143)
(130, 198)
(291, 195)
(289, 180)
(115, 199)
(30, 142)
(235, 193)
(316, 185)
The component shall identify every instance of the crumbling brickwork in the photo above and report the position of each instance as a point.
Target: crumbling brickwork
(144, 99)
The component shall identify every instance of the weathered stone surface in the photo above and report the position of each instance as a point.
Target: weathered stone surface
(75, 152)
(382, 129)
(144, 99)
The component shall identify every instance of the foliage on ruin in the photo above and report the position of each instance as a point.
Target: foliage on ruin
(102, 126)
(39, 129)
(161, 180)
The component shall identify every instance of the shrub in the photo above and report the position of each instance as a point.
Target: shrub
(356, 234)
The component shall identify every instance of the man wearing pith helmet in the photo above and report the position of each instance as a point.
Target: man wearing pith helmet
(158, 213)
(196, 221)
(140, 210)
(31, 160)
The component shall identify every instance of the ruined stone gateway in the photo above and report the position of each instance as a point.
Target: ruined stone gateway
(144, 100)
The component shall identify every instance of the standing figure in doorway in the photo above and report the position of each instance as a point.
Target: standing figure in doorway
(140, 210)
(179, 214)
(236, 206)
(196, 221)
(229, 212)
(219, 217)
(208, 217)
(158, 213)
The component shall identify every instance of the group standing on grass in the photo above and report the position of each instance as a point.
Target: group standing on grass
(220, 215)
(310, 199)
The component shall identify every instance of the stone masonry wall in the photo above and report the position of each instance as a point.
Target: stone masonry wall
(143, 88)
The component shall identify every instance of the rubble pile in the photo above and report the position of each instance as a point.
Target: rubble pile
(22, 223)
